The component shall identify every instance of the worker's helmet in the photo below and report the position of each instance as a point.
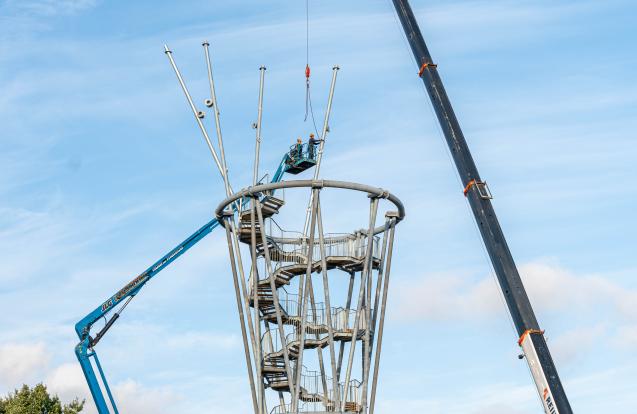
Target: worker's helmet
(311, 135)
(298, 140)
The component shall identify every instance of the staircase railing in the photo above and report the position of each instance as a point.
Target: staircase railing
(313, 385)
(343, 321)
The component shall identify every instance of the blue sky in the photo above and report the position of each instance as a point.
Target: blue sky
(103, 171)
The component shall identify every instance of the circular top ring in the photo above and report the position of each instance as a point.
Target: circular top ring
(373, 192)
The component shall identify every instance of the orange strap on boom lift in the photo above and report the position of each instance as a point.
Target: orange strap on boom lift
(307, 71)
(425, 66)
(528, 332)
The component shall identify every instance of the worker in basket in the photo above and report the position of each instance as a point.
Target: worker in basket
(296, 151)
(312, 144)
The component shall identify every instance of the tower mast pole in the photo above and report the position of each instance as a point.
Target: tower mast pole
(531, 338)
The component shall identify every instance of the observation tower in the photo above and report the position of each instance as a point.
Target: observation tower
(311, 302)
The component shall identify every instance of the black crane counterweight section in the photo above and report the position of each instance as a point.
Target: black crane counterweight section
(531, 339)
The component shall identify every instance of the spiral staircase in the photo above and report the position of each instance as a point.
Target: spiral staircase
(289, 257)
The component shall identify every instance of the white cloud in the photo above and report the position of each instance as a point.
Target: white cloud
(22, 363)
(549, 286)
(572, 345)
(132, 397)
(613, 393)
(552, 287)
(29, 364)
(67, 381)
(494, 398)
(446, 296)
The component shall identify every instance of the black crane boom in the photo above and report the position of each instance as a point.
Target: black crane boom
(531, 338)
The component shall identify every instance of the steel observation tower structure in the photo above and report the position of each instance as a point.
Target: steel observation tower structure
(311, 303)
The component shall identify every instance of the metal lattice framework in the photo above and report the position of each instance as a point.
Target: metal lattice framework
(306, 351)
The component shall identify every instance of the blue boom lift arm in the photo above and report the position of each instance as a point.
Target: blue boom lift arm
(85, 351)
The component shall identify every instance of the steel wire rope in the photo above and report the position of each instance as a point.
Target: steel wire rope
(308, 95)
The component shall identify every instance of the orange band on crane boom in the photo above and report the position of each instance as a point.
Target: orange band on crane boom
(528, 332)
(425, 66)
(468, 187)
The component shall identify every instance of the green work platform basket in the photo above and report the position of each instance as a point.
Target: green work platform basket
(300, 158)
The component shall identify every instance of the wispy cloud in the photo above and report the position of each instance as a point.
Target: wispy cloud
(453, 296)
(573, 345)
(22, 363)
(599, 309)
(50, 7)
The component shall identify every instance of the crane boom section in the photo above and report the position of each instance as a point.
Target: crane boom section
(531, 337)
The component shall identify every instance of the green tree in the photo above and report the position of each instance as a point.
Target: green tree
(37, 400)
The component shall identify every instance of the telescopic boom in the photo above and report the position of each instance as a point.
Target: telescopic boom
(531, 338)
(84, 350)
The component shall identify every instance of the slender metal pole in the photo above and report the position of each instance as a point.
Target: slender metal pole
(255, 175)
(367, 343)
(366, 348)
(222, 171)
(255, 298)
(361, 295)
(275, 297)
(305, 244)
(326, 122)
(308, 275)
(531, 337)
(328, 306)
(281, 398)
(324, 132)
(348, 304)
(380, 277)
(215, 109)
(319, 352)
(246, 301)
(241, 318)
(381, 324)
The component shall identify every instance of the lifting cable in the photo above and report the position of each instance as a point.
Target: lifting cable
(308, 97)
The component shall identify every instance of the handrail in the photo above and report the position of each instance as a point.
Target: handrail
(303, 151)
(313, 385)
(296, 251)
(343, 321)
(374, 192)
